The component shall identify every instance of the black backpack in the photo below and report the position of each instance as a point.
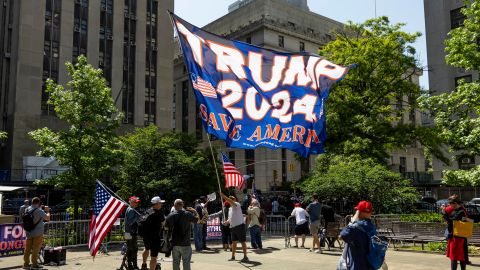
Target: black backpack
(27, 219)
(142, 223)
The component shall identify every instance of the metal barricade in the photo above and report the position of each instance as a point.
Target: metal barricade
(289, 230)
(75, 233)
(275, 226)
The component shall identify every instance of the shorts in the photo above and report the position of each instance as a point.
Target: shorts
(239, 233)
(315, 227)
(152, 244)
(301, 229)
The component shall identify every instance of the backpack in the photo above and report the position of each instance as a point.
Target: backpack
(262, 219)
(27, 219)
(378, 249)
(142, 223)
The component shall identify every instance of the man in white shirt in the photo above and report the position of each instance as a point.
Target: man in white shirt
(237, 226)
(301, 224)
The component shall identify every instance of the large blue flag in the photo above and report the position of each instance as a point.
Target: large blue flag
(252, 97)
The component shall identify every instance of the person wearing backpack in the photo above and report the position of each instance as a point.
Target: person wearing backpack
(254, 226)
(357, 237)
(33, 219)
(131, 218)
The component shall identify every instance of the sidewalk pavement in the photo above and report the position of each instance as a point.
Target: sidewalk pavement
(273, 256)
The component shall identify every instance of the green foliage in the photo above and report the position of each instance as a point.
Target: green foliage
(436, 246)
(456, 113)
(88, 144)
(365, 110)
(71, 210)
(170, 163)
(3, 135)
(360, 179)
(422, 217)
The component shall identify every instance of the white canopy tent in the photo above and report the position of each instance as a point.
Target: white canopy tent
(6, 189)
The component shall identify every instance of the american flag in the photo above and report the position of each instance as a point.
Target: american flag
(233, 178)
(105, 212)
(204, 87)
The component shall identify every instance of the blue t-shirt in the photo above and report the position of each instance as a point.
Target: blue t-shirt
(314, 210)
(358, 244)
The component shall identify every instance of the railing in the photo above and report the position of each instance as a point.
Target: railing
(75, 233)
(275, 226)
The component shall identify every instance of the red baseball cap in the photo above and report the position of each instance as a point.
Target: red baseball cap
(298, 204)
(134, 199)
(364, 206)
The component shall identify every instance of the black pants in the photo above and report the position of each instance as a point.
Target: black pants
(204, 236)
(132, 250)
(455, 263)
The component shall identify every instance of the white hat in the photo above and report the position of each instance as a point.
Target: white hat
(156, 200)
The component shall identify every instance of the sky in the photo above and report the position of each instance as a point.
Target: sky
(202, 12)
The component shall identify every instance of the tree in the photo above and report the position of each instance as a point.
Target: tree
(365, 110)
(88, 145)
(456, 113)
(351, 179)
(170, 163)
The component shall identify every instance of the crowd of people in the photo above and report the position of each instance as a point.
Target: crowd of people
(171, 233)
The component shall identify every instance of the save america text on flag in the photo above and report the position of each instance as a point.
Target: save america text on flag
(252, 97)
(106, 210)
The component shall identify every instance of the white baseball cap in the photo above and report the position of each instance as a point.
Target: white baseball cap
(156, 200)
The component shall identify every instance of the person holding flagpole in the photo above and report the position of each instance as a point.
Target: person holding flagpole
(131, 218)
(237, 226)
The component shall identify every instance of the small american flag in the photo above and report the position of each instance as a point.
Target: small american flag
(204, 87)
(105, 212)
(233, 178)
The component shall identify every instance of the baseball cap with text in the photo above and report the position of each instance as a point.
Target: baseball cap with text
(134, 199)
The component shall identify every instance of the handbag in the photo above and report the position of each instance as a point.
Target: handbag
(462, 228)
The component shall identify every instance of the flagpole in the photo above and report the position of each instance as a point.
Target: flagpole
(218, 177)
(116, 195)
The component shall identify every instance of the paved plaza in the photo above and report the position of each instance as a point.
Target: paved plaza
(274, 256)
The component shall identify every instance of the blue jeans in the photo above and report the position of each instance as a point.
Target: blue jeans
(185, 254)
(256, 236)
(198, 235)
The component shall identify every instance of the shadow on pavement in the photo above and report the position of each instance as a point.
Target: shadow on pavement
(264, 250)
(250, 264)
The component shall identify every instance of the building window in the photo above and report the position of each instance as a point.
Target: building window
(231, 156)
(80, 29)
(456, 18)
(415, 165)
(301, 46)
(310, 31)
(106, 39)
(403, 165)
(184, 98)
(291, 24)
(51, 48)
(284, 165)
(198, 124)
(281, 41)
(249, 40)
(129, 48)
(466, 78)
(466, 162)
(305, 166)
(249, 160)
(151, 59)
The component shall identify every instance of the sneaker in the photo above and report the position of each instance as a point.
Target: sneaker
(245, 259)
(206, 248)
(302, 246)
(310, 250)
(295, 246)
(26, 266)
(318, 251)
(36, 267)
(231, 259)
